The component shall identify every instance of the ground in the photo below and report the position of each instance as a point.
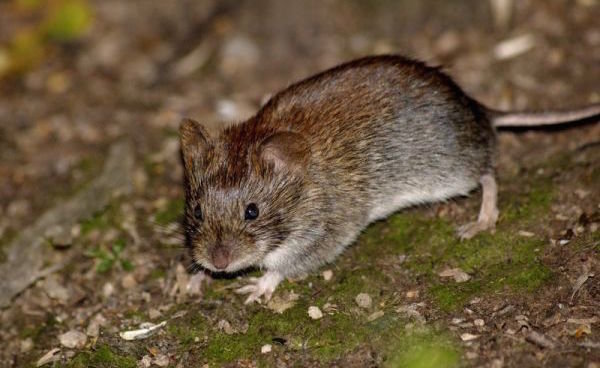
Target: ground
(91, 188)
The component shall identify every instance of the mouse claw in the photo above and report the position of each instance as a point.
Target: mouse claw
(258, 287)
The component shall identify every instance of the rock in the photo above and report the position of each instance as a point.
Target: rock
(154, 313)
(161, 360)
(412, 294)
(456, 273)
(108, 289)
(225, 326)
(265, 349)
(55, 290)
(26, 345)
(364, 300)
(479, 322)
(282, 302)
(93, 329)
(73, 339)
(145, 362)
(327, 275)
(314, 312)
(128, 282)
(468, 337)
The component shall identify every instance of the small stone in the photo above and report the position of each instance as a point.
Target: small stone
(468, 337)
(128, 282)
(457, 321)
(154, 313)
(26, 345)
(479, 322)
(108, 289)
(456, 273)
(412, 294)
(161, 360)
(327, 275)
(364, 300)
(55, 290)
(93, 329)
(225, 326)
(145, 362)
(314, 312)
(73, 339)
(282, 302)
(265, 349)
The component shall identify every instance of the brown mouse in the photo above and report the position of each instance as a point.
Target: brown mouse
(290, 188)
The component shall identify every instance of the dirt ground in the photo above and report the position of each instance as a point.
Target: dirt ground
(91, 95)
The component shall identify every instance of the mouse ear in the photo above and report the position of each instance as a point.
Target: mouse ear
(194, 142)
(285, 151)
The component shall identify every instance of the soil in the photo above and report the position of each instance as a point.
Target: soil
(76, 77)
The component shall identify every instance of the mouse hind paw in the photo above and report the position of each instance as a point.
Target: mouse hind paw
(488, 214)
(261, 286)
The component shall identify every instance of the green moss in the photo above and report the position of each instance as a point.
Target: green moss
(172, 213)
(424, 351)
(496, 262)
(528, 206)
(101, 357)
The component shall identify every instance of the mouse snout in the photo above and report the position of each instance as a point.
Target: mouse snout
(221, 256)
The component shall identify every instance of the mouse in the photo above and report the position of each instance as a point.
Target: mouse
(290, 188)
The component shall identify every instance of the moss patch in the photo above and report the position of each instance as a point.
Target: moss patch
(102, 357)
(496, 262)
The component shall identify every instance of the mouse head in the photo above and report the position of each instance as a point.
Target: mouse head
(244, 190)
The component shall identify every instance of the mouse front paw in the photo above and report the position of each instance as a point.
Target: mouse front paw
(260, 286)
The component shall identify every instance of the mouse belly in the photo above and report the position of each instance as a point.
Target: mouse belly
(403, 196)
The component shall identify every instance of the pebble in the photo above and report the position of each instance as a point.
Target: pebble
(479, 322)
(225, 326)
(161, 360)
(154, 313)
(265, 349)
(327, 275)
(456, 273)
(108, 289)
(26, 345)
(93, 329)
(412, 294)
(73, 339)
(363, 300)
(128, 282)
(468, 337)
(145, 362)
(314, 312)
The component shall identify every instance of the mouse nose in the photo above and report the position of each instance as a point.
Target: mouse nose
(221, 257)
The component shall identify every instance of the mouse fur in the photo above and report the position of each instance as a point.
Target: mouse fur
(327, 156)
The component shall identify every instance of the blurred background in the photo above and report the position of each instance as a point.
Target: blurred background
(76, 76)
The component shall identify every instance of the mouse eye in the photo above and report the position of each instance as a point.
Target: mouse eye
(251, 212)
(198, 213)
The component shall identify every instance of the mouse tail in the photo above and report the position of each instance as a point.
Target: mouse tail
(525, 119)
